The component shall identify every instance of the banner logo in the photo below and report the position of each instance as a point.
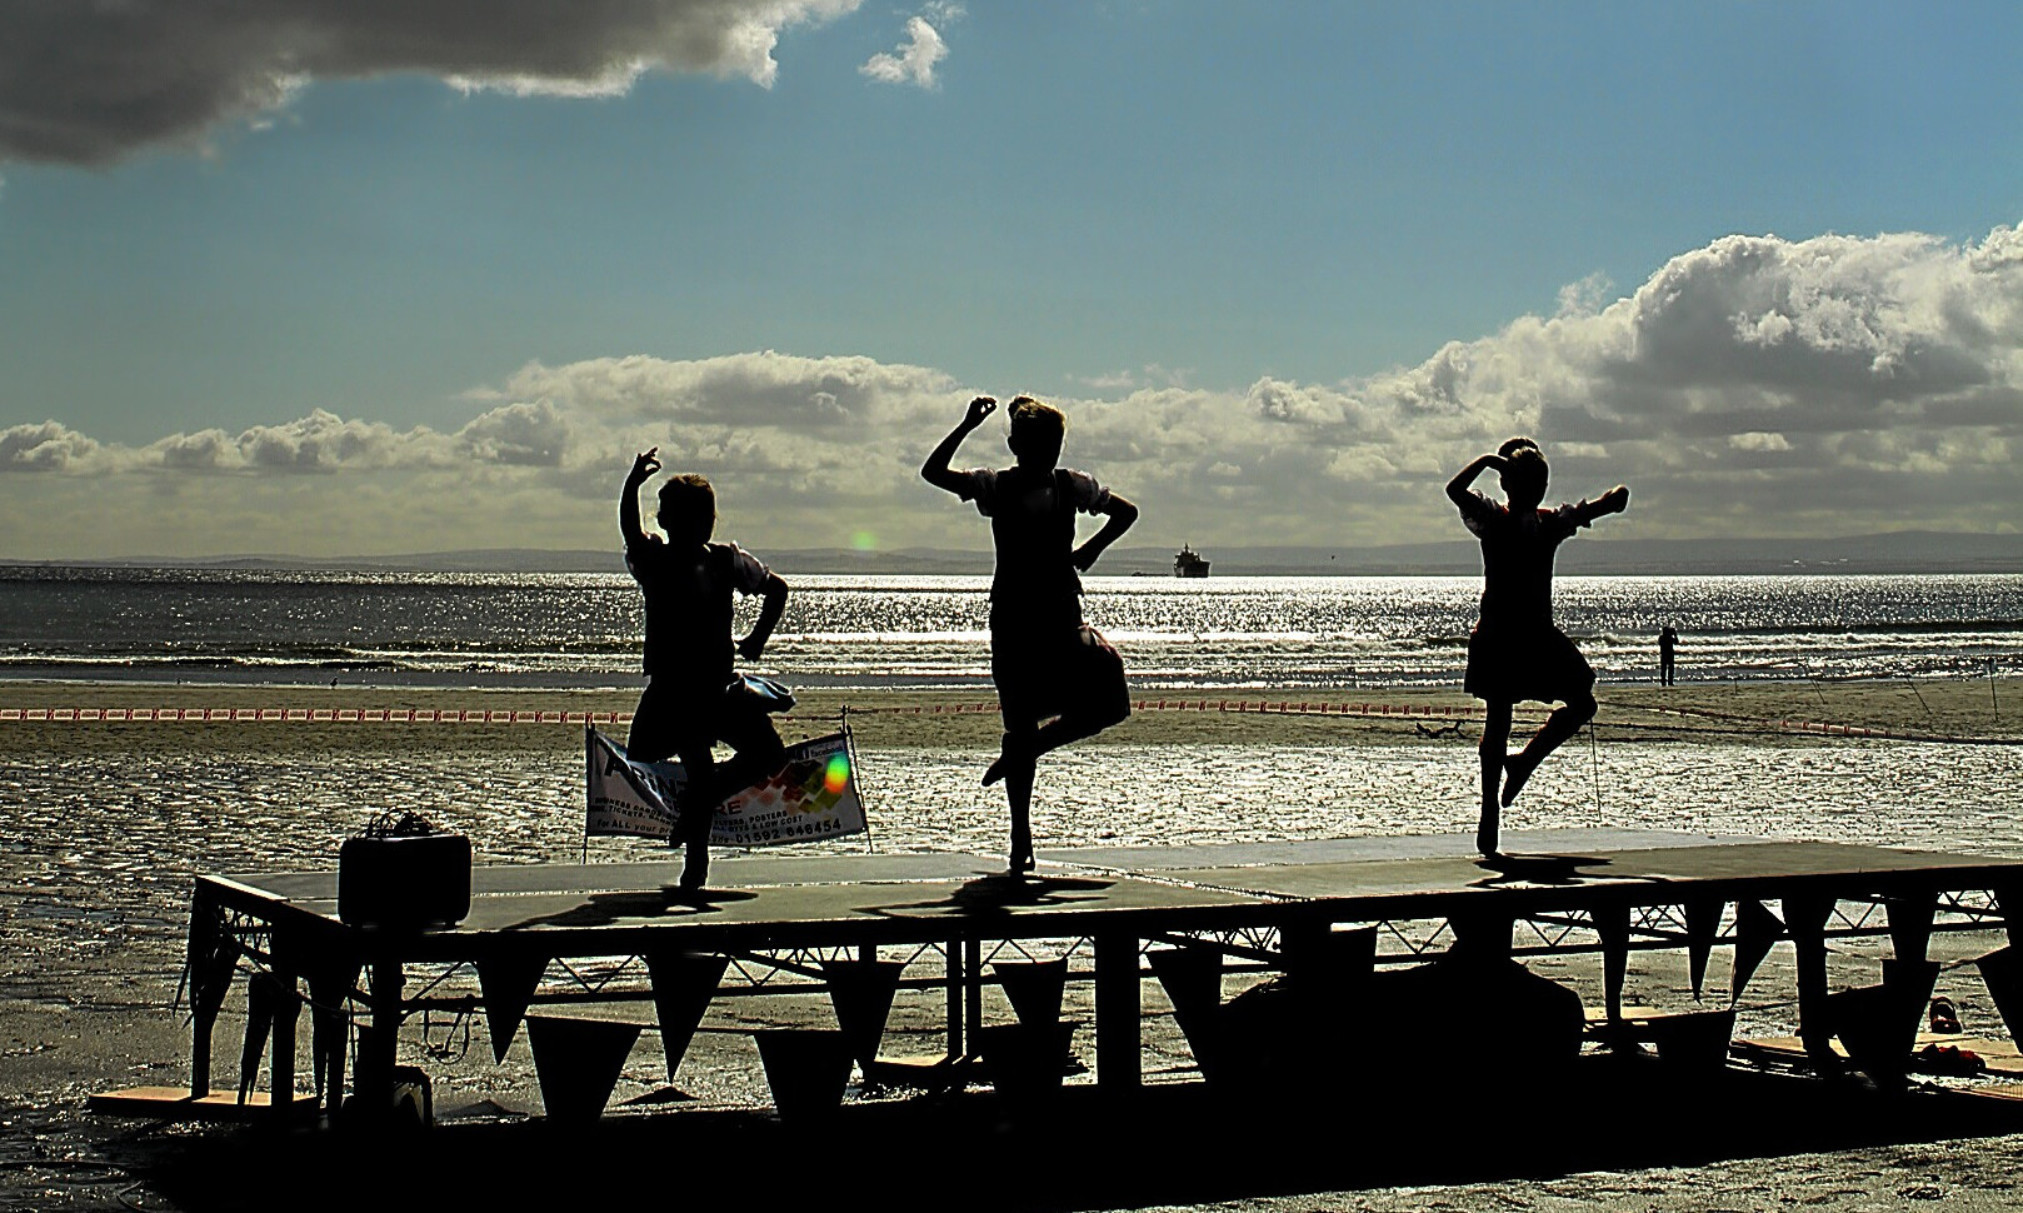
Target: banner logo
(811, 798)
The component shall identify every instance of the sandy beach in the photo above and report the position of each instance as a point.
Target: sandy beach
(99, 1018)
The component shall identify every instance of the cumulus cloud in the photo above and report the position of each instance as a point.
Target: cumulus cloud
(48, 447)
(914, 60)
(1827, 386)
(322, 442)
(756, 389)
(1863, 370)
(85, 83)
(525, 435)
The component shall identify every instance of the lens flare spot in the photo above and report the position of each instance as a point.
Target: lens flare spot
(837, 776)
(864, 541)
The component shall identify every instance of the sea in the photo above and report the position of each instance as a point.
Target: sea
(1273, 633)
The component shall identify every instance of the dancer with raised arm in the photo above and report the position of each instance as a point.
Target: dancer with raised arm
(1516, 651)
(1057, 679)
(691, 701)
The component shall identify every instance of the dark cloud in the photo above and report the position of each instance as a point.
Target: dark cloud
(88, 81)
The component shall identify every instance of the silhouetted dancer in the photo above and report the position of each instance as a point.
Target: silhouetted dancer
(1516, 652)
(1668, 644)
(691, 701)
(1045, 661)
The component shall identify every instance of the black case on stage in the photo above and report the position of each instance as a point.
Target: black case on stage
(404, 881)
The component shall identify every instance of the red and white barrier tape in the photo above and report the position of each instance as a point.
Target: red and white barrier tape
(310, 716)
(493, 716)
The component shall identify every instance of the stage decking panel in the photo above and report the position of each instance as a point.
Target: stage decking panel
(1370, 877)
(795, 908)
(1769, 863)
(1147, 860)
(730, 872)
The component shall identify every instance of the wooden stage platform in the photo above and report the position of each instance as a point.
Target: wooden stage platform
(946, 921)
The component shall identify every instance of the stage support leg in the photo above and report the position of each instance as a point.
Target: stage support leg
(1805, 917)
(955, 997)
(2009, 899)
(1118, 1065)
(281, 1067)
(1612, 923)
(372, 1075)
(213, 955)
(972, 985)
(330, 983)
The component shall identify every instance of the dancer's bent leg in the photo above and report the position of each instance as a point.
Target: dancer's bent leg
(1564, 722)
(1071, 727)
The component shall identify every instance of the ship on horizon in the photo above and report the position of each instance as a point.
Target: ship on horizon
(1188, 563)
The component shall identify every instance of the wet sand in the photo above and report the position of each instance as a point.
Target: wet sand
(104, 1025)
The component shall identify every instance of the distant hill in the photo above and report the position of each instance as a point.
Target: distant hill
(1893, 552)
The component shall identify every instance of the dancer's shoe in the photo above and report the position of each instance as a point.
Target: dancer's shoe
(1486, 840)
(695, 868)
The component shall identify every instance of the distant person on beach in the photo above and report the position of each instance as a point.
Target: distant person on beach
(1668, 645)
(691, 702)
(1045, 661)
(1516, 652)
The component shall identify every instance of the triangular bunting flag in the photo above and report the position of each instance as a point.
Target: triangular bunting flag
(683, 985)
(861, 991)
(2002, 970)
(1703, 923)
(1756, 929)
(507, 984)
(807, 1069)
(1192, 979)
(1911, 924)
(577, 1062)
(1034, 989)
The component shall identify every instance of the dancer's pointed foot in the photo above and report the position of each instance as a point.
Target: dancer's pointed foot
(1021, 856)
(1009, 752)
(1516, 769)
(1486, 840)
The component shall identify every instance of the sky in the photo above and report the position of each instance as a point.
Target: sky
(321, 278)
